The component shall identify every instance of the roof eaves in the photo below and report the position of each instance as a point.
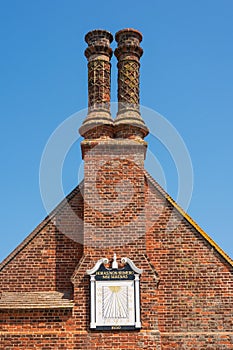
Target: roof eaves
(189, 219)
(35, 300)
(38, 229)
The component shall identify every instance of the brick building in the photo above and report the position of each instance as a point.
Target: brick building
(118, 264)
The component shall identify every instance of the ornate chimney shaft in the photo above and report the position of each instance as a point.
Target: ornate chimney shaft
(129, 123)
(98, 122)
(113, 151)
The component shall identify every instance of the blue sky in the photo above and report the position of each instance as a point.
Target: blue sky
(186, 75)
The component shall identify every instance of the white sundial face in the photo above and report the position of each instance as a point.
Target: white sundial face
(115, 303)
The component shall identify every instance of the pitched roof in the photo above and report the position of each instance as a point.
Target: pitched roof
(189, 219)
(38, 229)
(34, 300)
(78, 188)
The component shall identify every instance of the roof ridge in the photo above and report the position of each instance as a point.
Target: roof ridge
(189, 219)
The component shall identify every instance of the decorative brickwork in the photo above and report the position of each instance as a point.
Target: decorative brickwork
(128, 82)
(98, 122)
(128, 54)
(99, 85)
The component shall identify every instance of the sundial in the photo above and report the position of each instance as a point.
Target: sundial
(115, 295)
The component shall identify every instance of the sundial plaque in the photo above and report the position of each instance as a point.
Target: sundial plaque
(115, 295)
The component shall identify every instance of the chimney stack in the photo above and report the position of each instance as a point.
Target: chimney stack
(113, 151)
(98, 122)
(129, 123)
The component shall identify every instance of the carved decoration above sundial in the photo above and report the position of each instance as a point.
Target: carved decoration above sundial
(115, 298)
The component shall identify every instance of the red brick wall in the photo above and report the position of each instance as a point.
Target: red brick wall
(195, 294)
(48, 260)
(114, 192)
(191, 308)
(73, 340)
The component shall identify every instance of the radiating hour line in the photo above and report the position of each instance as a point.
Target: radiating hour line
(115, 302)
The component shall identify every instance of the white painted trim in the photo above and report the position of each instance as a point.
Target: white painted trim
(97, 266)
(132, 265)
(93, 302)
(137, 302)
